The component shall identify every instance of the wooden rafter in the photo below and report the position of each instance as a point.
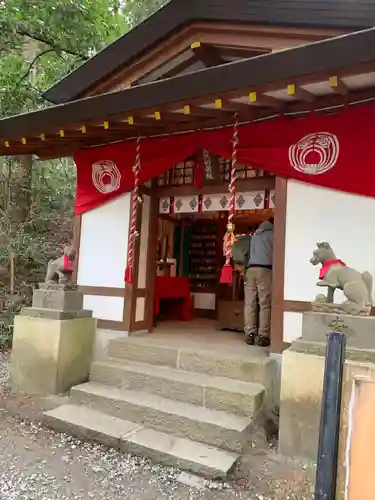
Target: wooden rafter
(194, 110)
(265, 100)
(208, 54)
(338, 86)
(94, 134)
(242, 52)
(295, 90)
(170, 68)
(300, 67)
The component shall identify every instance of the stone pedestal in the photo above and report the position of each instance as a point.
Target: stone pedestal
(52, 342)
(359, 330)
(302, 378)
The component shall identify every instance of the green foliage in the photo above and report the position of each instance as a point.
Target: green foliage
(42, 41)
(137, 10)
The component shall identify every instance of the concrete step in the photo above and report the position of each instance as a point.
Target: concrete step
(88, 424)
(217, 428)
(218, 393)
(250, 364)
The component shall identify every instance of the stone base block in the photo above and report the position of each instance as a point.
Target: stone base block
(36, 312)
(301, 398)
(63, 300)
(300, 404)
(359, 330)
(49, 356)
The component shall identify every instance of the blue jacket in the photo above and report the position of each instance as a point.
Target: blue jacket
(261, 246)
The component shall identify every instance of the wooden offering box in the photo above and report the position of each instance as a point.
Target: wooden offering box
(231, 305)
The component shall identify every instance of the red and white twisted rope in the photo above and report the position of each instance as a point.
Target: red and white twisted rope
(133, 234)
(232, 193)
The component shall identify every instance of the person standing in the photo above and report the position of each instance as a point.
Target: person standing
(258, 286)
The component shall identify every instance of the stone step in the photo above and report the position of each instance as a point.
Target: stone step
(88, 424)
(218, 393)
(217, 428)
(251, 366)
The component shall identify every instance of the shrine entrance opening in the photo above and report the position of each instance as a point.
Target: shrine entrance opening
(191, 225)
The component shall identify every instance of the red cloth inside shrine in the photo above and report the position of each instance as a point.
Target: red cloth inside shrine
(169, 287)
(330, 150)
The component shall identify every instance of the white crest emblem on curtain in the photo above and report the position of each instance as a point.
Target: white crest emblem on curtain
(315, 153)
(106, 176)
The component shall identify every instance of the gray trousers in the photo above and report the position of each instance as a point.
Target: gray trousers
(258, 288)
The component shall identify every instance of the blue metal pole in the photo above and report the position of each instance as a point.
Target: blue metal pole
(325, 486)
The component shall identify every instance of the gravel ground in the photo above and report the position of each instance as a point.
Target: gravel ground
(4, 367)
(38, 464)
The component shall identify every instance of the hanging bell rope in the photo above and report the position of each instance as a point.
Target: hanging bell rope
(136, 200)
(229, 237)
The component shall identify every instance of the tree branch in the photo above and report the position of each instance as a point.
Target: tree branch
(47, 51)
(51, 43)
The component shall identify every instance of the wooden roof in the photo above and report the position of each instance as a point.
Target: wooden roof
(332, 72)
(340, 14)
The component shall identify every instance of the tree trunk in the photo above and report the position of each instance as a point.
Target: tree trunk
(21, 187)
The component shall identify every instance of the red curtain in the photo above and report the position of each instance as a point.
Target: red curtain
(332, 150)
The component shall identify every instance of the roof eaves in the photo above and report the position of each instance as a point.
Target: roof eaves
(152, 30)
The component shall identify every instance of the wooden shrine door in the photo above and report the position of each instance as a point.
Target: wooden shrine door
(140, 299)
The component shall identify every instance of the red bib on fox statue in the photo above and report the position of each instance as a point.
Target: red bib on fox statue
(67, 264)
(327, 265)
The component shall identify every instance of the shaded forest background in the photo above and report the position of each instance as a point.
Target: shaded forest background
(40, 42)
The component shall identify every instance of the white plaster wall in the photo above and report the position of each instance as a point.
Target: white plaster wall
(140, 308)
(292, 326)
(315, 214)
(104, 307)
(104, 244)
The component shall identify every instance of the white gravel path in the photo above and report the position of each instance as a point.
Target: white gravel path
(37, 464)
(4, 367)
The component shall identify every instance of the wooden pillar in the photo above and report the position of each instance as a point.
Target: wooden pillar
(130, 288)
(277, 316)
(134, 291)
(151, 260)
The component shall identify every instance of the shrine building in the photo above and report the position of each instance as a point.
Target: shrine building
(210, 109)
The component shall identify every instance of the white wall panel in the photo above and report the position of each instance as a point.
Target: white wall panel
(104, 244)
(104, 307)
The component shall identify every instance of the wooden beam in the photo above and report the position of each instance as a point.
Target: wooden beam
(300, 93)
(138, 121)
(209, 55)
(201, 111)
(265, 100)
(145, 190)
(54, 145)
(187, 61)
(235, 106)
(254, 184)
(242, 52)
(169, 218)
(338, 86)
(168, 116)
